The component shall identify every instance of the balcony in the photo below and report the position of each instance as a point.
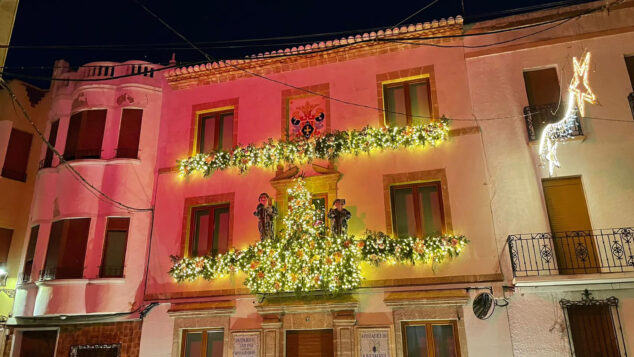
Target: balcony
(53, 273)
(630, 99)
(83, 154)
(538, 116)
(574, 252)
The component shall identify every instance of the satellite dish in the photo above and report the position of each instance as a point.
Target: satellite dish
(483, 306)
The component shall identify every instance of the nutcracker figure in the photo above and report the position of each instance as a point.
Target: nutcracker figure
(339, 217)
(265, 212)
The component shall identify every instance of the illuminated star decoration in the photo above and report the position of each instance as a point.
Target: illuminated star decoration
(562, 130)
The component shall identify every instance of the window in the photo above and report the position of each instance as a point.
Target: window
(430, 339)
(629, 63)
(30, 254)
(320, 202)
(66, 249)
(129, 133)
(5, 244)
(542, 86)
(112, 350)
(592, 331)
(113, 259)
(85, 135)
(36, 343)
(306, 343)
(17, 157)
(411, 97)
(215, 131)
(52, 138)
(209, 230)
(417, 209)
(202, 343)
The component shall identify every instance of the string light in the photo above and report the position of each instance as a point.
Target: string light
(330, 146)
(561, 131)
(303, 257)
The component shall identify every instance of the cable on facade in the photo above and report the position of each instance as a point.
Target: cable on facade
(73, 171)
(417, 12)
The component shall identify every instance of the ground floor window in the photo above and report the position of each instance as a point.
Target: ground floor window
(202, 343)
(594, 326)
(307, 343)
(36, 343)
(96, 351)
(430, 339)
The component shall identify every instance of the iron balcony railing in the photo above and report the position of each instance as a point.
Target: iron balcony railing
(630, 98)
(53, 273)
(127, 153)
(574, 252)
(83, 154)
(538, 116)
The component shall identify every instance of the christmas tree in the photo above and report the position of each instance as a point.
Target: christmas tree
(303, 257)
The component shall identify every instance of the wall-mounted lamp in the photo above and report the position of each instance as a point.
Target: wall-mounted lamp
(3, 282)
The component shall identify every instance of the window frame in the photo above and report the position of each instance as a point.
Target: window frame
(204, 332)
(61, 253)
(192, 225)
(217, 114)
(123, 152)
(405, 83)
(417, 210)
(26, 276)
(10, 173)
(105, 246)
(49, 155)
(78, 152)
(429, 332)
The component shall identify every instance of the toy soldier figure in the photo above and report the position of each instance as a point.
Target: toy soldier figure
(339, 217)
(265, 213)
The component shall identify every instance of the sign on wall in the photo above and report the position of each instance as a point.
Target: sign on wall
(306, 116)
(113, 350)
(246, 344)
(374, 342)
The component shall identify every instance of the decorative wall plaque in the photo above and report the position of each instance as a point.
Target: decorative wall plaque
(246, 344)
(307, 116)
(374, 342)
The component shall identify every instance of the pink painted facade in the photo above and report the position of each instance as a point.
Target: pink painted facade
(58, 195)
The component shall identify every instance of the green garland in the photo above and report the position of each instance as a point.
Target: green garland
(304, 258)
(327, 147)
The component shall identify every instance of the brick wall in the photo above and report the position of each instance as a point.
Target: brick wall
(128, 334)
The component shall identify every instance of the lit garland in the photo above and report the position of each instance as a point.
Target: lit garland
(558, 132)
(304, 258)
(329, 147)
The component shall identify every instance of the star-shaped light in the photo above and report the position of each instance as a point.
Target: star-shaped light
(582, 94)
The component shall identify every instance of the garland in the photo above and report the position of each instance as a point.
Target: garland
(328, 147)
(304, 258)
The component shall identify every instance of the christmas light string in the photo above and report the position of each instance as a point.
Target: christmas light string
(304, 257)
(559, 132)
(330, 146)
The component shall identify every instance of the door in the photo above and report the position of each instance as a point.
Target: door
(573, 241)
(309, 343)
(38, 343)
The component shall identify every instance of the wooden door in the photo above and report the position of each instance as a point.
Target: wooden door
(309, 343)
(573, 241)
(38, 343)
(592, 331)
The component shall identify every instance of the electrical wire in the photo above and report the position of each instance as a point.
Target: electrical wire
(76, 174)
(417, 12)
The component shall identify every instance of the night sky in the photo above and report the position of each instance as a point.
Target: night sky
(121, 30)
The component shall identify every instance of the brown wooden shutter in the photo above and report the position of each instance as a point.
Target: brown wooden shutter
(52, 138)
(129, 133)
(5, 244)
(309, 343)
(542, 86)
(17, 157)
(91, 134)
(113, 259)
(30, 253)
(38, 343)
(71, 263)
(629, 63)
(592, 330)
(72, 138)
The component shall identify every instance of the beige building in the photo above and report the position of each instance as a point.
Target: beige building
(8, 11)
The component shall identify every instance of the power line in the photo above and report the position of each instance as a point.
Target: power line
(73, 171)
(417, 12)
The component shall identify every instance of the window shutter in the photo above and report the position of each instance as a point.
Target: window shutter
(72, 139)
(91, 135)
(17, 157)
(542, 86)
(129, 133)
(52, 138)
(5, 244)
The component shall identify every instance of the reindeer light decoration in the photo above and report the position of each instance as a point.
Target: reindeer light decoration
(579, 92)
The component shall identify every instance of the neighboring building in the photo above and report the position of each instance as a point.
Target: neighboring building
(19, 159)
(84, 264)
(8, 11)
(587, 203)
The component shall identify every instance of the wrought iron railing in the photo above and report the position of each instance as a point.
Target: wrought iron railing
(111, 271)
(538, 116)
(574, 252)
(53, 273)
(83, 154)
(630, 98)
